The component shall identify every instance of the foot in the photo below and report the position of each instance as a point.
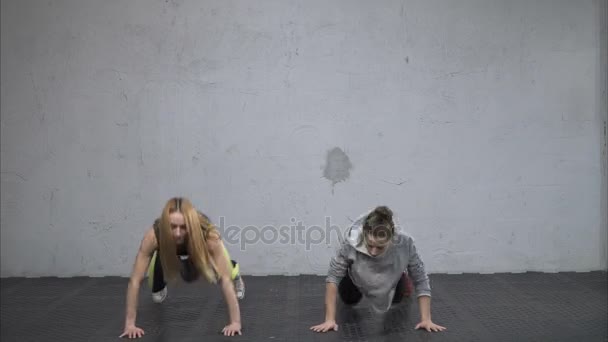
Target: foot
(159, 297)
(239, 287)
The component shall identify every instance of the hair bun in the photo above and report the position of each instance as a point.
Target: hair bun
(384, 211)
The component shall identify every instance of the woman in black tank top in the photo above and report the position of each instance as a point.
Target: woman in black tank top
(183, 244)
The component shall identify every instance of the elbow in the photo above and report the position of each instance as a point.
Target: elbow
(335, 275)
(332, 278)
(423, 288)
(335, 278)
(134, 283)
(423, 293)
(226, 282)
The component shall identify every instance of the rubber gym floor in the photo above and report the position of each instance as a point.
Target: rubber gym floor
(491, 307)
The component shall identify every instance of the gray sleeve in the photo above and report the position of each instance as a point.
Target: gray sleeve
(417, 271)
(339, 264)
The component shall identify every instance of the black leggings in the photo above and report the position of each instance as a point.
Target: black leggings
(351, 295)
(188, 272)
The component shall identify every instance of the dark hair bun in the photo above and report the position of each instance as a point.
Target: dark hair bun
(384, 211)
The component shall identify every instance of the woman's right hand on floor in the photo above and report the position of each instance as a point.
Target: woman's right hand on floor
(132, 332)
(325, 326)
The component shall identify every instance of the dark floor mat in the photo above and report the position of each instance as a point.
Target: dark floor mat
(490, 307)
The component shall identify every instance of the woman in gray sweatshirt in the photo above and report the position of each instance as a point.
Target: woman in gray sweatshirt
(376, 262)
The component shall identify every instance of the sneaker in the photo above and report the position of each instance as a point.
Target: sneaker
(239, 287)
(159, 297)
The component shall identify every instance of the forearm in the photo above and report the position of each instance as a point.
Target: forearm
(330, 301)
(424, 304)
(231, 301)
(131, 306)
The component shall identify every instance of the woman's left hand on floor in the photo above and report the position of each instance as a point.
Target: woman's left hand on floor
(429, 326)
(232, 329)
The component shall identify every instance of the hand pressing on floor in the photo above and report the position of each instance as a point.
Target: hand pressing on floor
(132, 331)
(232, 329)
(429, 326)
(330, 310)
(325, 326)
(424, 303)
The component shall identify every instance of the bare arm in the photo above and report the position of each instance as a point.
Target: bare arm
(330, 301)
(142, 261)
(423, 288)
(216, 248)
(424, 304)
(331, 290)
(338, 267)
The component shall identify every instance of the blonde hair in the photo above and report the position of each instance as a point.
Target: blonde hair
(199, 229)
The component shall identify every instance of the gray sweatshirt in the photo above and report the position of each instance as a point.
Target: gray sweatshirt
(376, 277)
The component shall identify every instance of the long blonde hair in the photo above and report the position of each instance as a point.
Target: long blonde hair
(199, 229)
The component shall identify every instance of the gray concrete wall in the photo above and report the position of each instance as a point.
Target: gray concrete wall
(603, 118)
(477, 122)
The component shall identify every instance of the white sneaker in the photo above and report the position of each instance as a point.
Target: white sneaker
(239, 287)
(159, 297)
